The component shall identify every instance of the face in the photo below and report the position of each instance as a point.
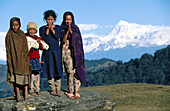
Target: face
(68, 19)
(15, 26)
(32, 31)
(50, 20)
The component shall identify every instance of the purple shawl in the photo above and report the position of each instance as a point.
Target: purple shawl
(77, 44)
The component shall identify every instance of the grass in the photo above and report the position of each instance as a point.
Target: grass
(137, 97)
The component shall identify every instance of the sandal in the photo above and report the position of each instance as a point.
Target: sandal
(69, 95)
(77, 96)
(33, 94)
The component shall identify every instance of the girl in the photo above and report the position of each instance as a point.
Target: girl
(18, 61)
(34, 57)
(52, 67)
(72, 55)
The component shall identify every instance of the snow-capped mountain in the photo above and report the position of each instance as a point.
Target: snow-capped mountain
(128, 34)
(125, 41)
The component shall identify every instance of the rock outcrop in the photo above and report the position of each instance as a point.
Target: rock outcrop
(89, 101)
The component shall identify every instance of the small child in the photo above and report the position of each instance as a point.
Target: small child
(34, 44)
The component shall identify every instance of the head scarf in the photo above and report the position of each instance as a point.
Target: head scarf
(14, 19)
(64, 17)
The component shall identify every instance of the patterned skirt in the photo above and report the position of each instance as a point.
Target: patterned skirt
(35, 65)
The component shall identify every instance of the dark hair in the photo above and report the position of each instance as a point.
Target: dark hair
(15, 19)
(50, 13)
(64, 17)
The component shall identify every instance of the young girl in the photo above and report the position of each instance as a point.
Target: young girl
(34, 57)
(52, 67)
(72, 55)
(18, 61)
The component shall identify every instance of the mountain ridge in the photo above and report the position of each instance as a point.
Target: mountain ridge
(128, 34)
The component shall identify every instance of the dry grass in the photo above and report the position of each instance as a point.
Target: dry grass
(137, 97)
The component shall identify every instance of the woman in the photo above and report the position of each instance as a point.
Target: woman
(72, 55)
(52, 67)
(18, 62)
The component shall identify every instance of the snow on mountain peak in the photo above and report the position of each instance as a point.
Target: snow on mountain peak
(122, 22)
(130, 34)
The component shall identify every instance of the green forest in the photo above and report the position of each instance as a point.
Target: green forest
(147, 69)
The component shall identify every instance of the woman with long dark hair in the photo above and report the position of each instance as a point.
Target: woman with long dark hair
(72, 55)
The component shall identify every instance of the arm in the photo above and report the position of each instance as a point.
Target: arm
(52, 29)
(66, 35)
(40, 61)
(42, 33)
(58, 32)
(40, 44)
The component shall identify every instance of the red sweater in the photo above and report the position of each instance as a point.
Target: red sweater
(34, 53)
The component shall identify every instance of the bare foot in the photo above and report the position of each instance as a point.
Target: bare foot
(26, 97)
(33, 94)
(19, 98)
(69, 95)
(39, 93)
(77, 96)
(53, 93)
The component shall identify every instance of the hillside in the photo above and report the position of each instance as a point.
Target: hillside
(90, 65)
(94, 65)
(137, 97)
(3, 72)
(147, 69)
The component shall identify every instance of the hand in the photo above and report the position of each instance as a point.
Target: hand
(38, 40)
(69, 28)
(41, 62)
(49, 26)
(53, 31)
(52, 27)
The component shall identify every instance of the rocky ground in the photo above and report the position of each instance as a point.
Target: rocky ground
(89, 101)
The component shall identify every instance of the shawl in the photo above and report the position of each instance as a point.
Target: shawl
(18, 60)
(77, 45)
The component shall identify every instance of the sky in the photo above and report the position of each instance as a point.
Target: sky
(98, 17)
(100, 12)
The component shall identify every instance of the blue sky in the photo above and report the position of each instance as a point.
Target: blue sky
(101, 12)
(100, 16)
